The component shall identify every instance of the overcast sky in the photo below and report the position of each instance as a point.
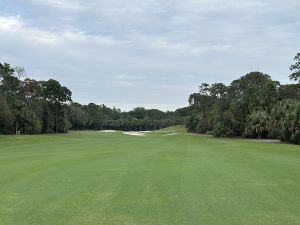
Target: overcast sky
(150, 53)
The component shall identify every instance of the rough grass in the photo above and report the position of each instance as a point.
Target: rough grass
(87, 178)
(173, 129)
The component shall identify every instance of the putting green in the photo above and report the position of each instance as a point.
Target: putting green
(87, 178)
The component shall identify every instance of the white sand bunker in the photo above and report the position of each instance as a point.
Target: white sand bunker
(107, 131)
(171, 134)
(133, 133)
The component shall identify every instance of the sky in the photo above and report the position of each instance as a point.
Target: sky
(150, 53)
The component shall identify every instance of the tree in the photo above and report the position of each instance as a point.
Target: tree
(78, 117)
(29, 122)
(289, 91)
(5, 70)
(200, 106)
(295, 69)
(31, 89)
(6, 117)
(218, 90)
(46, 119)
(155, 114)
(44, 106)
(10, 86)
(206, 105)
(247, 107)
(285, 118)
(253, 92)
(138, 112)
(57, 96)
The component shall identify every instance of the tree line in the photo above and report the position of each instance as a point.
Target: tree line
(101, 117)
(28, 106)
(253, 106)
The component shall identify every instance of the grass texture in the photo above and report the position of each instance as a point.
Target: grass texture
(89, 178)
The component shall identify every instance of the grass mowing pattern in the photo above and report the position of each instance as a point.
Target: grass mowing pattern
(87, 178)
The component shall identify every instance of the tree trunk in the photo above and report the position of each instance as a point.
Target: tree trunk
(55, 121)
(17, 125)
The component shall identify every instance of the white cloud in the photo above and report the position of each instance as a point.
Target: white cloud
(189, 48)
(16, 26)
(61, 4)
(110, 50)
(128, 77)
(10, 23)
(123, 83)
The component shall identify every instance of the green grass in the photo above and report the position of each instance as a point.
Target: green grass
(87, 178)
(173, 129)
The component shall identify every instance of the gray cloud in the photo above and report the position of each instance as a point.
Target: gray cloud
(152, 53)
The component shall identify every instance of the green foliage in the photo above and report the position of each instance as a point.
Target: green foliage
(295, 69)
(25, 105)
(57, 95)
(199, 124)
(286, 119)
(138, 113)
(247, 107)
(257, 125)
(253, 106)
(5, 70)
(53, 92)
(47, 123)
(224, 124)
(62, 123)
(6, 117)
(26, 120)
(289, 91)
(223, 129)
(30, 123)
(78, 117)
(252, 92)
(100, 117)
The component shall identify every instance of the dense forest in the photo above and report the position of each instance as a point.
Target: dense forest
(28, 106)
(253, 106)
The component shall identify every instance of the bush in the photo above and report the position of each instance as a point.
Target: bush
(223, 129)
(30, 123)
(257, 125)
(291, 125)
(197, 124)
(285, 118)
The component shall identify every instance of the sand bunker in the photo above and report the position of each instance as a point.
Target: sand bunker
(107, 131)
(135, 133)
